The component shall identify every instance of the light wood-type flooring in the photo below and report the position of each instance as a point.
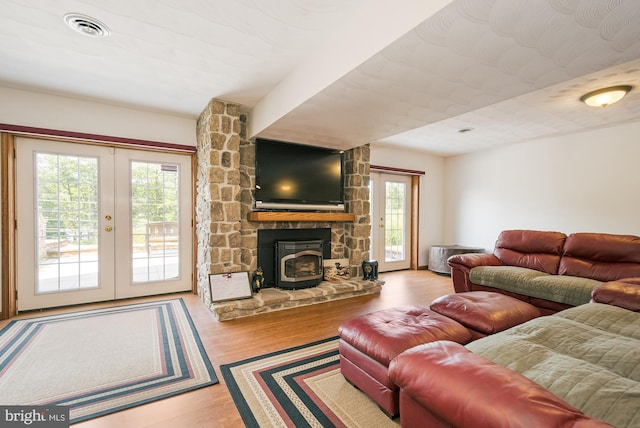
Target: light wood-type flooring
(230, 341)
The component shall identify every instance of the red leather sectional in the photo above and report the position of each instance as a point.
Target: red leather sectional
(597, 256)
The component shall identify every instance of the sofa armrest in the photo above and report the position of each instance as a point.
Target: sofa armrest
(624, 293)
(465, 389)
(461, 264)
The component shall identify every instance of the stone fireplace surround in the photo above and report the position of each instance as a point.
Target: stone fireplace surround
(225, 178)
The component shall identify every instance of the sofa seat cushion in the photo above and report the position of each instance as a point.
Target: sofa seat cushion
(502, 276)
(384, 334)
(484, 311)
(571, 290)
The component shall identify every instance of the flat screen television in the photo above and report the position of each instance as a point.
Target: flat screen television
(293, 176)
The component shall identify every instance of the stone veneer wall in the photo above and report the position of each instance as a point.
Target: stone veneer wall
(226, 241)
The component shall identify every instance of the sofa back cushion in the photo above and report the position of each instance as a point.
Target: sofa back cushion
(532, 249)
(601, 256)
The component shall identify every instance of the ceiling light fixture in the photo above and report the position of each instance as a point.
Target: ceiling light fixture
(86, 25)
(606, 96)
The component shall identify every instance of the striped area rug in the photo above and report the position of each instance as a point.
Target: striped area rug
(104, 360)
(300, 387)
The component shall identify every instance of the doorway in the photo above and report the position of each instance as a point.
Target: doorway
(390, 197)
(99, 223)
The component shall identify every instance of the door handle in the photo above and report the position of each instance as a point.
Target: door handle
(108, 228)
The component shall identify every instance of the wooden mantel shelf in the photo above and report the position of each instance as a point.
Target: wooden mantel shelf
(299, 216)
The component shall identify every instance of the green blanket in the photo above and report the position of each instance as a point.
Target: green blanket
(588, 356)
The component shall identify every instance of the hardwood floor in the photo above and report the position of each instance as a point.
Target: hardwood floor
(230, 341)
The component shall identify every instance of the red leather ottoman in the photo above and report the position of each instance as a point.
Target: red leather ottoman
(369, 342)
(484, 312)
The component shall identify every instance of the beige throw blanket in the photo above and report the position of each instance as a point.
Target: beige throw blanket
(588, 355)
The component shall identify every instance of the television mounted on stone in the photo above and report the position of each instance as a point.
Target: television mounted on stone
(292, 176)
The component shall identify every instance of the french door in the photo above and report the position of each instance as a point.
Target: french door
(97, 223)
(390, 221)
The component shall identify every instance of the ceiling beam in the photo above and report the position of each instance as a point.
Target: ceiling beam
(382, 23)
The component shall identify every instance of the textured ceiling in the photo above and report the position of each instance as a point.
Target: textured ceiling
(172, 55)
(511, 70)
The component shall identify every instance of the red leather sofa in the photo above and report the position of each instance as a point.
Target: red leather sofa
(549, 270)
(444, 384)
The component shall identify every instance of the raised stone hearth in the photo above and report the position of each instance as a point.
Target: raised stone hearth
(275, 299)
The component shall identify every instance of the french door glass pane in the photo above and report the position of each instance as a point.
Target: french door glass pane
(372, 199)
(394, 222)
(154, 221)
(66, 222)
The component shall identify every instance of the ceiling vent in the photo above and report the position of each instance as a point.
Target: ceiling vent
(86, 25)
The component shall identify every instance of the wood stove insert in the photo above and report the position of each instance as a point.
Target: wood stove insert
(298, 264)
(267, 239)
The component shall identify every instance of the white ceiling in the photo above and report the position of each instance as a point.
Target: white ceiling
(342, 73)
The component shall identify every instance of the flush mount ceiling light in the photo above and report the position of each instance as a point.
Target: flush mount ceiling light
(606, 96)
(86, 25)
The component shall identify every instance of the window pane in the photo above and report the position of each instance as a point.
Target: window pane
(154, 222)
(66, 222)
(395, 222)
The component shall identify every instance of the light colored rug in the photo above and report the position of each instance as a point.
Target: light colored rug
(104, 360)
(299, 387)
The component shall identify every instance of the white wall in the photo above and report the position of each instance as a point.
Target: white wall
(585, 182)
(35, 109)
(431, 221)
